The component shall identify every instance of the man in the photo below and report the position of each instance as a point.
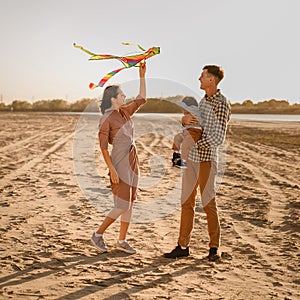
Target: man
(202, 164)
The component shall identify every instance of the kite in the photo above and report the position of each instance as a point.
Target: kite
(128, 61)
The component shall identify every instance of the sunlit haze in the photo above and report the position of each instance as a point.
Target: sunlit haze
(254, 41)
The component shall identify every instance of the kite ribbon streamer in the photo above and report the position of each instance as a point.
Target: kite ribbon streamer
(127, 61)
(105, 78)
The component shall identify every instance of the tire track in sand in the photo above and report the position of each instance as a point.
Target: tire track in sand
(15, 146)
(257, 241)
(35, 161)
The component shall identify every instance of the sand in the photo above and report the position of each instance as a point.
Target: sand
(55, 192)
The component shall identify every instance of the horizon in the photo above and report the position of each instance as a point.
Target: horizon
(130, 98)
(130, 88)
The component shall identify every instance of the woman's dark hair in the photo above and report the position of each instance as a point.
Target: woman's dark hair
(110, 91)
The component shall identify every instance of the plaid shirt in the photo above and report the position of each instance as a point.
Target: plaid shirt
(215, 114)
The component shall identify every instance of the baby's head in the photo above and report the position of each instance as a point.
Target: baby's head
(189, 101)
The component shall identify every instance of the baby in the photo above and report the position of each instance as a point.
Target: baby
(184, 140)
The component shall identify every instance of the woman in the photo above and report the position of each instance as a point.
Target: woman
(116, 128)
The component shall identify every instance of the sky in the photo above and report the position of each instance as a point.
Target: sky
(256, 42)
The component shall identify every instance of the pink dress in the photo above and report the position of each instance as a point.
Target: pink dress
(116, 128)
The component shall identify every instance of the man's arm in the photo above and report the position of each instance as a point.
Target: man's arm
(215, 128)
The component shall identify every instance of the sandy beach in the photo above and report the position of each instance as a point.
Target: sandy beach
(55, 192)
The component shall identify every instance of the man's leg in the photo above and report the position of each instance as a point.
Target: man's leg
(188, 199)
(207, 177)
(188, 196)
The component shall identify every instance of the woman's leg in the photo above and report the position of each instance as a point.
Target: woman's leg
(124, 224)
(111, 217)
(120, 191)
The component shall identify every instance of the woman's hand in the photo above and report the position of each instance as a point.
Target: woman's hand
(142, 69)
(114, 177)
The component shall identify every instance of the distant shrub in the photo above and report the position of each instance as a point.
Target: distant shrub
(153, 105)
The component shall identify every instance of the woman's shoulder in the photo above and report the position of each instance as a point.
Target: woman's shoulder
(106, 117)
(125, 111)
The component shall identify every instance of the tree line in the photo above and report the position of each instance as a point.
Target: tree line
(266, 107)
(154, 105)
(55, 105)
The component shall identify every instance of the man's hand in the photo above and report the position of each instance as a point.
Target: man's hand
(189, 119)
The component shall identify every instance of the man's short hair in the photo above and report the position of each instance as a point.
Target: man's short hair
(216, 71)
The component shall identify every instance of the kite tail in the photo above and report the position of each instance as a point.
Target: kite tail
(105, 79)
(83, 49)
(132, 44)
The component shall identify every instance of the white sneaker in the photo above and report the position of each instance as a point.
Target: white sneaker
(99, 243)
(124, 246)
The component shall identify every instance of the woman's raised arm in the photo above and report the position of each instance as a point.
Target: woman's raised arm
(142, 72)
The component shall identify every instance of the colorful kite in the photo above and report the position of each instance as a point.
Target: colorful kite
(127, 61)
